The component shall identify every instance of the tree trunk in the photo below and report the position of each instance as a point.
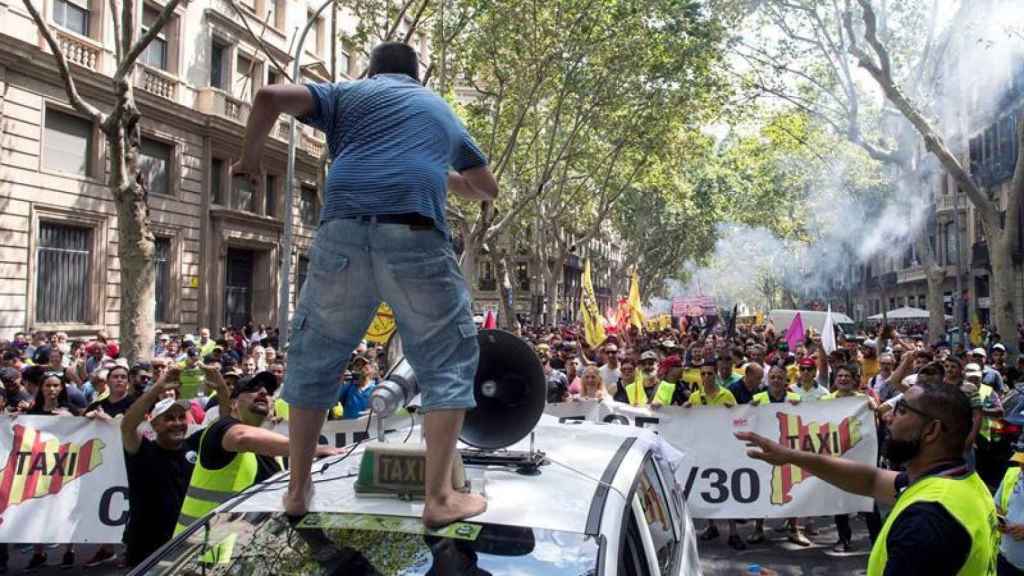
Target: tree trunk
(550, 296)
(470, 260)
(506, 294)
(935, 275)
(135, 246)
(1002, 283)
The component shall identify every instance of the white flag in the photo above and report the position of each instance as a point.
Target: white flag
(828, 333)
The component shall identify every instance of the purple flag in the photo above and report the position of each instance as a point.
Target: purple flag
(795, 332)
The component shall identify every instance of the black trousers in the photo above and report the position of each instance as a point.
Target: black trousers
(1004, 568)
(843, 527)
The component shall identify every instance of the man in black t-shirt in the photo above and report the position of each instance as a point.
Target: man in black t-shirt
(158, 470)
(953, 533)
(17, 398)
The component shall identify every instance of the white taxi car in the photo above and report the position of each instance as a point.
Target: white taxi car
(605, 503)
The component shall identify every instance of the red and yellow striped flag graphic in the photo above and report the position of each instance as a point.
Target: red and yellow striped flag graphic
(37, 467)
(821, 438)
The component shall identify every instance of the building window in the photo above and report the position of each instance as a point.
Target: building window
(922, 301)
(155, 166)
(162, 263)
(316, 33)
(71, 15)
(523, 276)
(244, 197)
(270, 196)
(248, 71)
(309, 209)
(276, 13)
(349, 59)
(487, 280)
(68, 144)
(274, 77)
(62, 284)
(218, 53)
(156, 53)
(301, 271)
(217, 181)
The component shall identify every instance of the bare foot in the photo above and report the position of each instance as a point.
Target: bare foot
(297, 504)
(457, 506)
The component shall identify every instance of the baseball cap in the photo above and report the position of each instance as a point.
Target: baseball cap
(972, 370)
(978, 352)
(253, 383)
(668, 343)
(807, 362)
(999, 347)
(231, 371)
(649, 355)
(359, 359)
(670, 362)
(166, 404)
(8, 375)
(164, 337)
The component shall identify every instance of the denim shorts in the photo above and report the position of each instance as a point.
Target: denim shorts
(354, 266)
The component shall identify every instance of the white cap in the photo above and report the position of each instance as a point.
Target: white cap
(999, 347)
(166, 404)
(978, 352)
(972, 370)
(190, 338)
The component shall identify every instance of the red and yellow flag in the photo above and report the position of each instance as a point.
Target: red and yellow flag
(37, 467)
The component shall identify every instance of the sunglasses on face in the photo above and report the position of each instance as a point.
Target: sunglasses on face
(806, 368)
(903, 407)
(707, 374)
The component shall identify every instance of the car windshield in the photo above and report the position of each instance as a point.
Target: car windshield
(360, 544)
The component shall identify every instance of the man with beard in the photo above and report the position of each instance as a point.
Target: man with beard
(943, 519)
(235, 452)
(158, 470)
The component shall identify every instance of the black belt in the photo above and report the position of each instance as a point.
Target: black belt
(410, 219)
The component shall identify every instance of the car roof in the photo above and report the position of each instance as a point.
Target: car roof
(565, 496)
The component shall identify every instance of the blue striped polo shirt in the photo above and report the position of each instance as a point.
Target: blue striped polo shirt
(392, 142)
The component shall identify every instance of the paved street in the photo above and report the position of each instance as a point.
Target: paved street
(20, 558)
(718, 559)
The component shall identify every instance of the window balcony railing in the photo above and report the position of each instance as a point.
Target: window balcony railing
(217, 102)
(82, 51)
(156, 81)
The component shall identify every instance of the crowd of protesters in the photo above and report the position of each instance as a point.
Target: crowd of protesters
(190, 383)
(227, 386)
(732, 365)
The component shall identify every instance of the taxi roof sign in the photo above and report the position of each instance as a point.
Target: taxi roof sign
(399, 469)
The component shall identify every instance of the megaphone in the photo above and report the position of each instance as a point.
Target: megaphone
(509, 388)
(510, 392)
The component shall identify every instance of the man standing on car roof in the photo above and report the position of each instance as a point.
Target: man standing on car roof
(397, 149)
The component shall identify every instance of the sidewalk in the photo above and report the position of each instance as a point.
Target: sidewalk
(718, 559)
(83, 553)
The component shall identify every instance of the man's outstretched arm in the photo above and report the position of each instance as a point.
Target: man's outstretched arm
(474, 184)
(269, 103)
(848, 476)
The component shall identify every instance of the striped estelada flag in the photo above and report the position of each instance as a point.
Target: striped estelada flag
(38, 467)
(817, 437)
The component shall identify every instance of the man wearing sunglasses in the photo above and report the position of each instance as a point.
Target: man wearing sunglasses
(943, 519)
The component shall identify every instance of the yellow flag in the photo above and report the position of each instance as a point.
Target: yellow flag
(593, 325)
(975, 334)
(383, 325)
(636, 317)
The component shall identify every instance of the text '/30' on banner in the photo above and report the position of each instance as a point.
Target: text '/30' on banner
(717, 477)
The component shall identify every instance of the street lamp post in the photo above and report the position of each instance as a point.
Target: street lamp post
(284, 284)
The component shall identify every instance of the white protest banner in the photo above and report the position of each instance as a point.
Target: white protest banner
(340, 433)
(719, 480)
(581, 410)
(63, 480)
